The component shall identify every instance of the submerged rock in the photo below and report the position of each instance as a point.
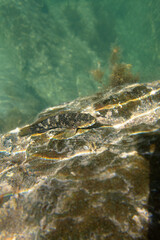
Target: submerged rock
(88, 169)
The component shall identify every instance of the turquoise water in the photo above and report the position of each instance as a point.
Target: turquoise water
(49, 50)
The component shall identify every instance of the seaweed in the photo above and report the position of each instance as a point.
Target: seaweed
(97, 74)
(120, 72)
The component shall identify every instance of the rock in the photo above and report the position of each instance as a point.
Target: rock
(88, 169)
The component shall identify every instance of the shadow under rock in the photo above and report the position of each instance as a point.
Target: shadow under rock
(149, 147)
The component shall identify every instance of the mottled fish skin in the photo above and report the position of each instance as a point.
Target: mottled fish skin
(64, 120)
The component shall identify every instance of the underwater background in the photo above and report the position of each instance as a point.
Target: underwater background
(50, 50)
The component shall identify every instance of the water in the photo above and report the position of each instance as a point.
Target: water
(49, 50)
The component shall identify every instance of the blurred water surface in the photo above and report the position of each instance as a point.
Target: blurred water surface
(48, 49)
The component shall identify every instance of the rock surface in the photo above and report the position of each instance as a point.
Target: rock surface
(88, 169)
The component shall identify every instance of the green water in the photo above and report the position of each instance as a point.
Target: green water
(48, 49)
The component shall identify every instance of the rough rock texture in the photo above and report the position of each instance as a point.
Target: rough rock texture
(88, 169)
